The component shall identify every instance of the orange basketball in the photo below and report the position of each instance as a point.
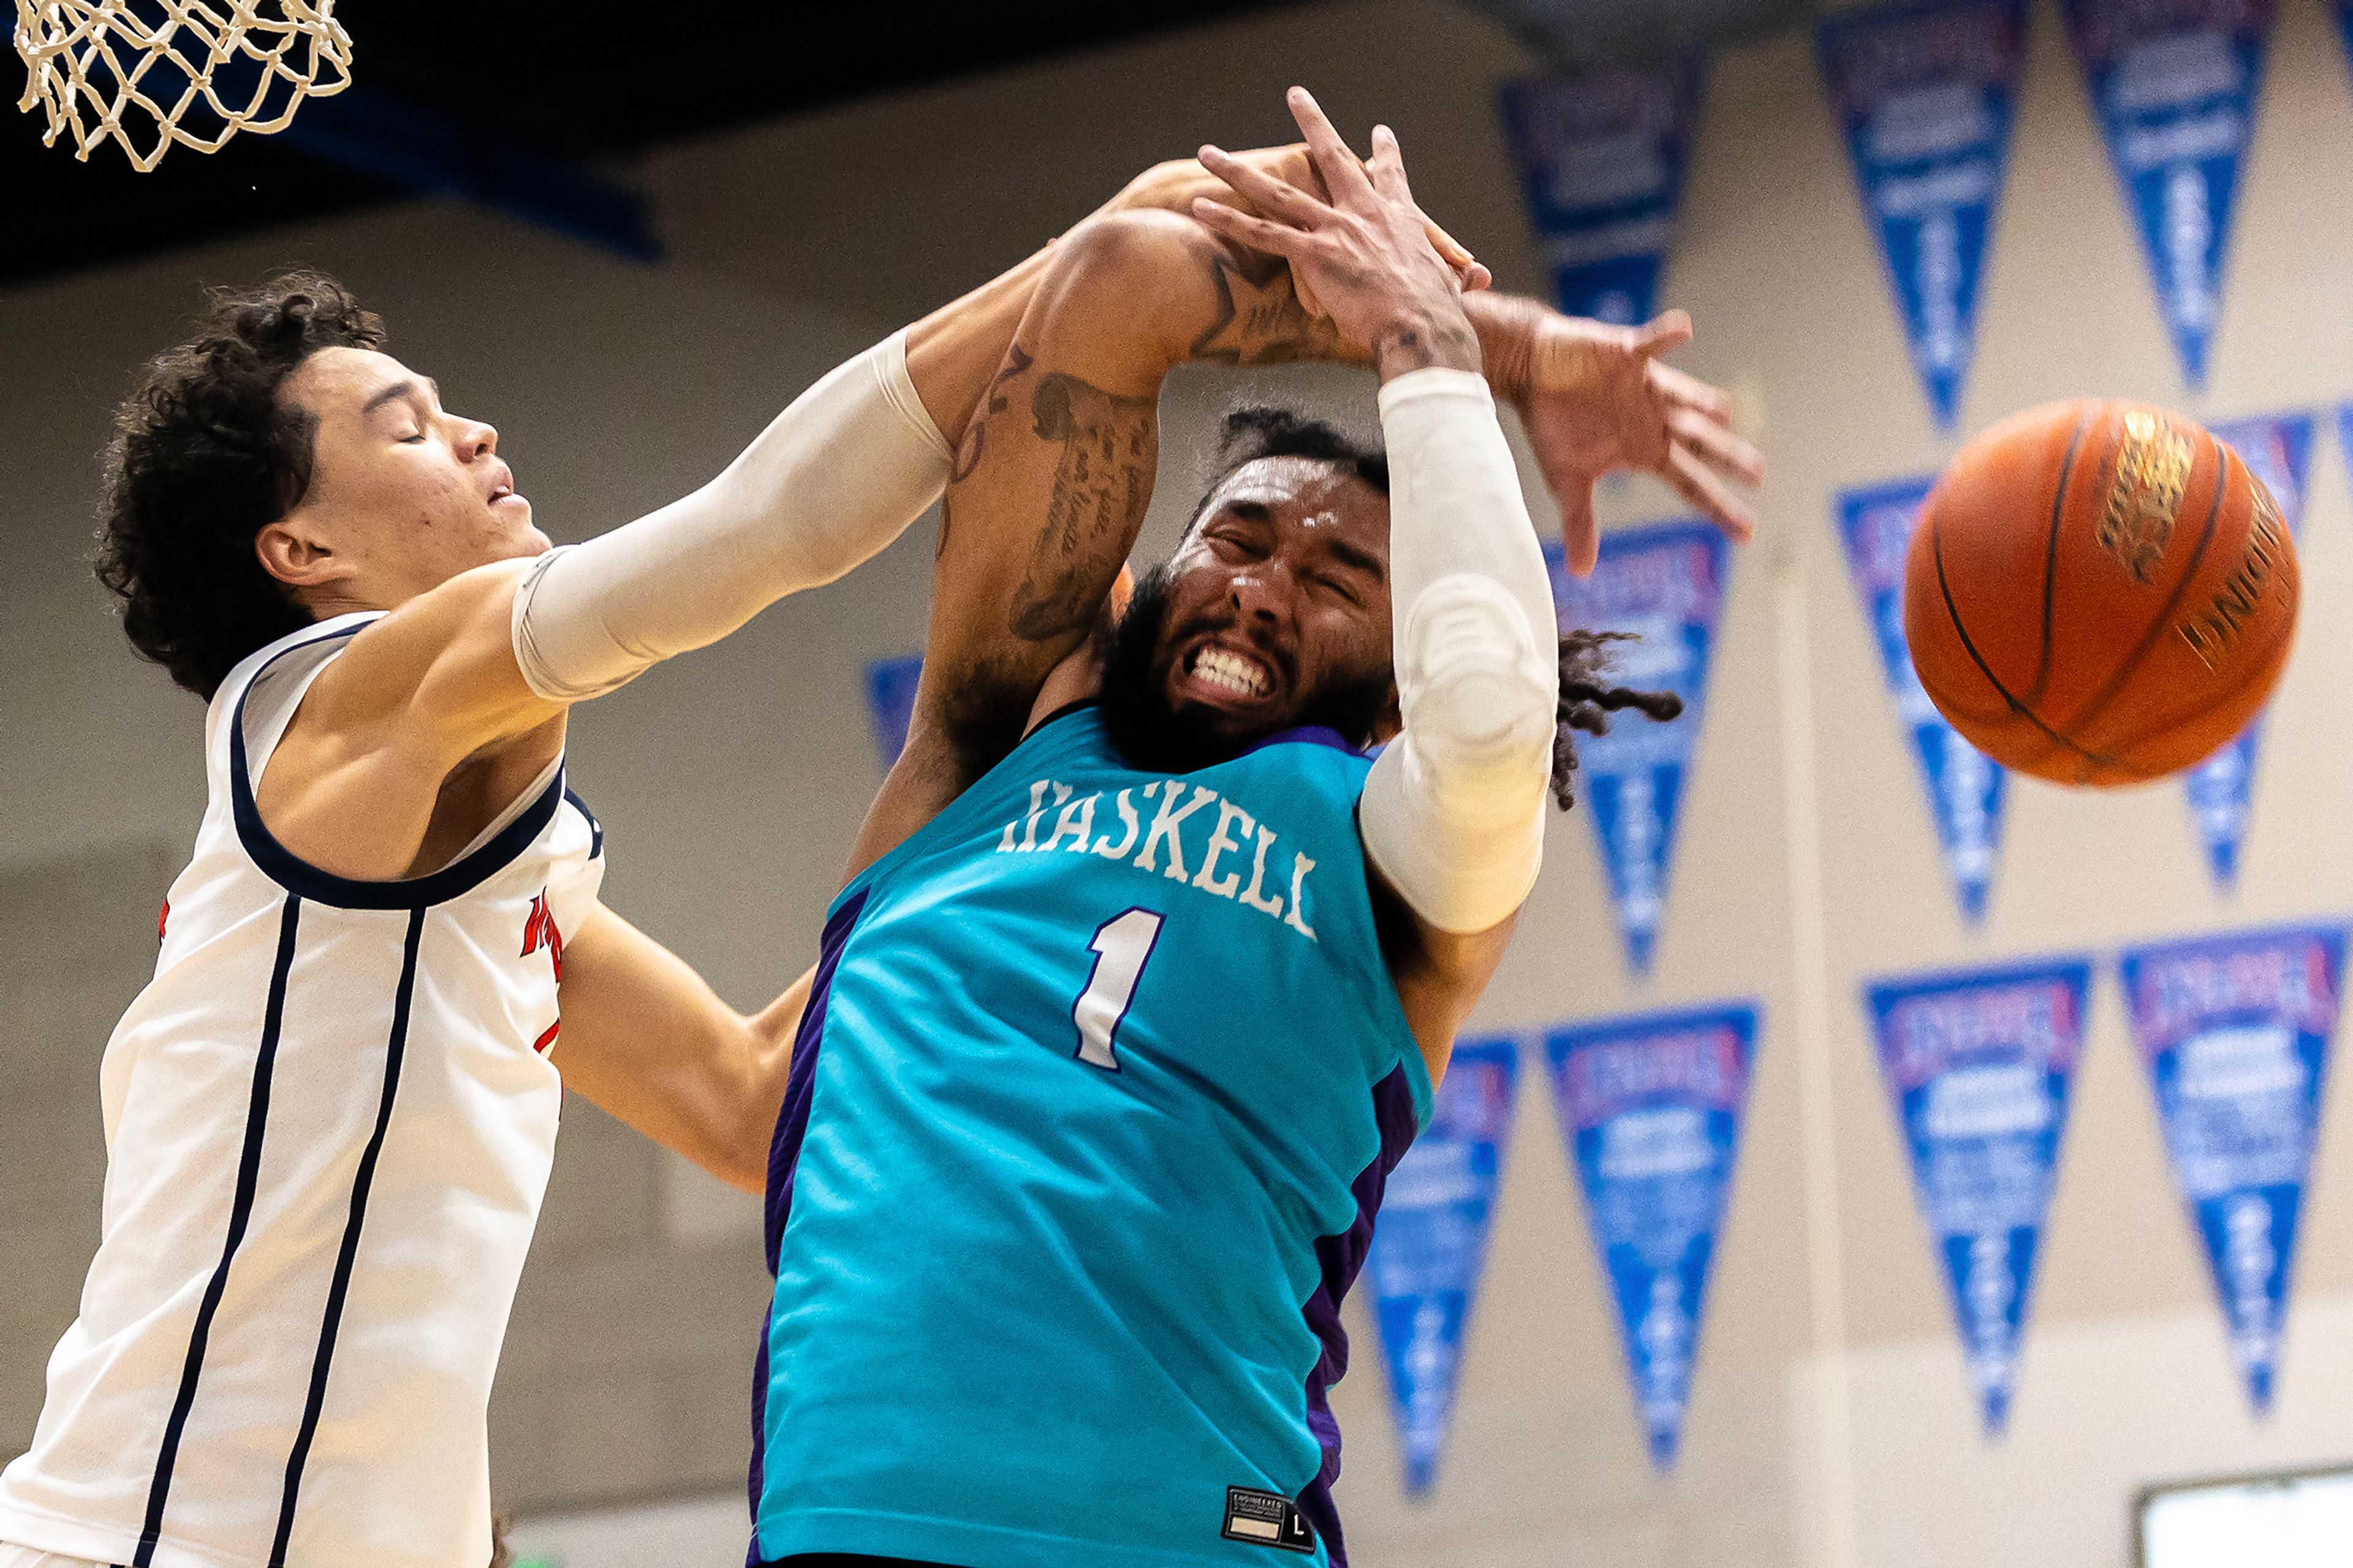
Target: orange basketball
(2099, 593)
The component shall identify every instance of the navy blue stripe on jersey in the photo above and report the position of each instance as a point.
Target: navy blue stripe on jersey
(595, 829)
(298, 876)
(248, 1174)
(395, 1047)
(801, 1078)
(1342, 1255)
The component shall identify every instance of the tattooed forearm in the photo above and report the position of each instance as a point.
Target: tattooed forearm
(1103, 481)
(967, 455)
(1421, 342)
(1260, 320)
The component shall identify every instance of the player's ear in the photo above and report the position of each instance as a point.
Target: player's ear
(297, 556)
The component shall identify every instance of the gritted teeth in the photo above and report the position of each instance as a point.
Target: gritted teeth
(1231, 671)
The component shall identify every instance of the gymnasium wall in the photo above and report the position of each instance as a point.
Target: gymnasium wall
(1830, 1423)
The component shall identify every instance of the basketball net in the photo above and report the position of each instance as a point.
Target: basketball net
(149, 73)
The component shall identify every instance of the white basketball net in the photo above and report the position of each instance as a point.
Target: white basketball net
(144, 71)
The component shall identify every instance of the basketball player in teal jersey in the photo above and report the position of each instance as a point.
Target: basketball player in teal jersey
(1145, 973)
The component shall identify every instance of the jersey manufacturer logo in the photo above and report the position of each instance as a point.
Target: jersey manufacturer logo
(1266, 1518)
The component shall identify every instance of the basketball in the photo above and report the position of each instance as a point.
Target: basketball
(2099, 593)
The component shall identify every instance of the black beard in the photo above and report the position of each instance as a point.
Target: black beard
(1155, 736)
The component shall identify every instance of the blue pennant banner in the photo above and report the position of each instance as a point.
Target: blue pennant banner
(1431, 1244)
(2235, 1032)
(1977, 1066)
(1601, 161)
(2278, 451)
(1965, 785)
(1924, 95)
(2173, 85)
(891, 699)
(1650, 1107)
(1663, 585)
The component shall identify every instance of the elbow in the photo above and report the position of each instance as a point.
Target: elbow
(1151, 270)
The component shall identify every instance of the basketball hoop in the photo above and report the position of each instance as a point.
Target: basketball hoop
(199, 72)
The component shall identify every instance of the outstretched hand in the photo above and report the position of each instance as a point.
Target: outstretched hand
(1596, 397)
(1176, 184)
(1359, 247)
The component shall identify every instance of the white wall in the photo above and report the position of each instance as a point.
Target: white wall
(1830, 1421)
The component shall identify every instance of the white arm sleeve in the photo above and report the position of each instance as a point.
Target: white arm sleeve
(1453, 812)
(832, 481)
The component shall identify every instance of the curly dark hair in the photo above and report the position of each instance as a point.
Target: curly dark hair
(206, 454)
(1253, 431)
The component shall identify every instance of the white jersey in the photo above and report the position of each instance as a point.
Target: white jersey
(329, 1123)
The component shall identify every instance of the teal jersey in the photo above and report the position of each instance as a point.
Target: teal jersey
(1088, 1119)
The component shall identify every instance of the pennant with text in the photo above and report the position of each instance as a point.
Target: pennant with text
(1651, 1109)
(1430, 1246)
(1977, 1064)
(1601, 163)
(891, 699)
(1965, 785)
(2173, 85)
(1925, 94)
(2235, 1032)
(2278, 451)
(1664, 586)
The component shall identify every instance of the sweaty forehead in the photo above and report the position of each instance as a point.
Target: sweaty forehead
(1307, 492)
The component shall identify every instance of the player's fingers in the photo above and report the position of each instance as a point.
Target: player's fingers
(1581, 532)
(1696, 484)
(1661, 333)
(1718, 447)
(1387, 167)
(1456, 254)
(1689, 392)
(1269, 194)
(1256, 233)
(1343, 176)
(1476, 278)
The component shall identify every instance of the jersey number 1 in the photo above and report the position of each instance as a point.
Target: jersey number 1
(1121, 945)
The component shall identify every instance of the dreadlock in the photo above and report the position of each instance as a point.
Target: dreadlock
(1585, 703)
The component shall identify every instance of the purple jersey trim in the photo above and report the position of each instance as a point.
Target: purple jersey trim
(784, 1159)
(1308, 735)
(1342, 1255)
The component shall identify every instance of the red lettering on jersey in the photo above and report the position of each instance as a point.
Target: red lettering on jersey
(547, 1038)
(539, 931)
(162, 918)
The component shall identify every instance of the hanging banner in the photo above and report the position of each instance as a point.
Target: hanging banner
(1665, 586)
(2173, 85)
(1924, 95)
(2277, 451)
(1977, 1064)
(1650, 1107)
(1431, 1244)
(891, 699)
(2235, 1031)
(1601, 163)
(1965, 785)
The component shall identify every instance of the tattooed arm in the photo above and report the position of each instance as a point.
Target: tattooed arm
(1054, 472)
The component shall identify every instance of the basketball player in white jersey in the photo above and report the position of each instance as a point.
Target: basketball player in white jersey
(331, 1115)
